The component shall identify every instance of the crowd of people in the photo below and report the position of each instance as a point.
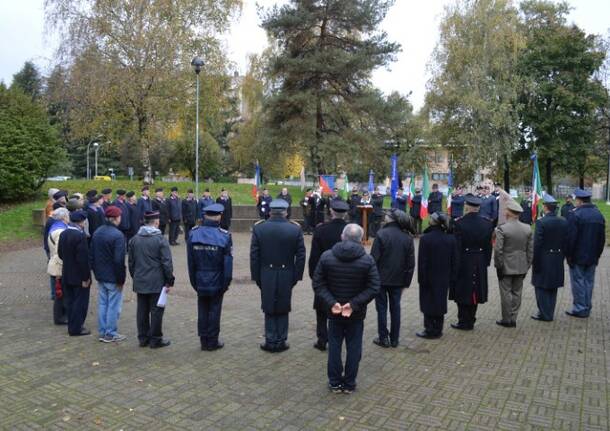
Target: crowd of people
(454, 254)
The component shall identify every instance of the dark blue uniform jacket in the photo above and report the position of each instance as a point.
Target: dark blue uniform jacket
(586, 235)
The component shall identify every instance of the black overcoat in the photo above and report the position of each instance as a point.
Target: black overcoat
(73, 250)
(473, 234)
(550, 242)
(277, 262)
(324, 237)
(437, 270)
(394, 254)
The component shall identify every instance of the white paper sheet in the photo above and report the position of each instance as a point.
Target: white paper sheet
(162, 298)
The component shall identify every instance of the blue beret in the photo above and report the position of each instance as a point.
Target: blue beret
(78, 216)
(580, 193)
(278, 204)
(214, 209)
(548, 199)
(339, 206)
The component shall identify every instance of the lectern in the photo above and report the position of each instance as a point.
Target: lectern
(365, 210)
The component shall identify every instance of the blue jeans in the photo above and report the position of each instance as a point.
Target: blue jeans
(351, 331)
(109, 304)
(582, 279)
(381, 304)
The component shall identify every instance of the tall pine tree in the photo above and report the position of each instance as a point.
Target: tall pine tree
(323, 103)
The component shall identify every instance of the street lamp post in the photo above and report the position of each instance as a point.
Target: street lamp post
(88, 145)
(197, 64)
(96, 147)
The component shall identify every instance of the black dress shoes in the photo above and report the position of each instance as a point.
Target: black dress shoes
(461, 327)
(282, 347)
(382, 342)
(83, 331)
(218, 346)
(506, 324)
(427, 335)
(320, 346)
(160, 344)
(540, 318)
(267, 348)
(394, 343)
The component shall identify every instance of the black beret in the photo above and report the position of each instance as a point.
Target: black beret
(120, 192)
(174, 189)
(151, 215)
(58, 205)
(130, 194)
(159, 189)
(60, 194)
(106, 191)
(91, 193)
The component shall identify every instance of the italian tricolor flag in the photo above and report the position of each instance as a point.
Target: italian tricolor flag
(537, 189)
(411, 191)
(423, 211)
(449, 191)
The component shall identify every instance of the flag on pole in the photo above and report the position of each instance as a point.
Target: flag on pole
(423, 211)
(371, 181)
(394, 183)
(327, 182)
(257, 181)
(411, 190)
(345, 191)
(449, 190)
(537, 188)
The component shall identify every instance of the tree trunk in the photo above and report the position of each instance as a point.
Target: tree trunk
(506, 174)
(581, 181)
(549, 176)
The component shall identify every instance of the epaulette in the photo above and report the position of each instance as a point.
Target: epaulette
(295, 222)
(223, 230)
(195, 227)
(259, 222)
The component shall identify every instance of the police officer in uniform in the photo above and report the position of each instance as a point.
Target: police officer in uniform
(324, 237)
(121, 203)
(277, 262)
(210, 266)
(526, 204)
(550, 241)
(457, 203)
(473, 234)
(264, 201)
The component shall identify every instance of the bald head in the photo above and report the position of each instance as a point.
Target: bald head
(352, 232)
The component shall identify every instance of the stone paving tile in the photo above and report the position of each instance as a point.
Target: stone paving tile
(539, 376)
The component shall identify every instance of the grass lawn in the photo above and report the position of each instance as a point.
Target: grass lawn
(16, 222)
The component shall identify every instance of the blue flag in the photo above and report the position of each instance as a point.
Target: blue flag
(371, 181)
(394, 184)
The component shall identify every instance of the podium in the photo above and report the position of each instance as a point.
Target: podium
(365, 210)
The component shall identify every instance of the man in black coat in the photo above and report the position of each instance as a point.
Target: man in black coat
(435, 200)
(526, 204)
(121, 203)
(354, 201)
(437, 270)
(586, 239)
(286, 196)
(107, 195)
(159, 204)
(317, 204)
(325, 236)
(416, 211)
(457, 203)
(95, 213)
(277, 262)
(144, 205)
(134, 216)
(550, 241)
(263, 203)
(377, 214)
(346, 280)
(473, 234)
(394, 253)
(73, 250)
(308, 216)
(225, 200)
(190, 208)
(175, 216)
(400, 202)
(567, 207)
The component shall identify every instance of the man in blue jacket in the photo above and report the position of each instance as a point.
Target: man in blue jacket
(121, 203)
(586, 238)
(76, 275)
(144, 205)
(175, 216)
(205, 200)
(108, 263)
(210, 265)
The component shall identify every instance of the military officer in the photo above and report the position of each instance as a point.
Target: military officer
(210, 266)
(526, 204)
(324, 237)
(277, 262)
(160, 205)
(586, 238)
(190, 209)
(415, 211)
(400, 203)
(435, 200)
(473, 234)
(121, 203)
(107, 194)
(567, 207)
(457, 203)
(489, 206)
(550, 241)
(513, 254)
(377, 214)
(264, 201)
(144, 205)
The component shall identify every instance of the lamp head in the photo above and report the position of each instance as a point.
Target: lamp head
(197, 64)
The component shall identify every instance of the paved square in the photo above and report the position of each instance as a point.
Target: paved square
(538, 376)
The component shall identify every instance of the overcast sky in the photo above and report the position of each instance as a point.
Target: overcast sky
(414, 24)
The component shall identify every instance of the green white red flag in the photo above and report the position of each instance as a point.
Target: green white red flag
(536, 189)
(423, 211)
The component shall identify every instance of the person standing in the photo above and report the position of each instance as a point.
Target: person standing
(567, 207)
(144, 205)
(317, 204)
(76, 275)
(416, 211)
(586, 239)
(286, 196)
(489, 206)
(325, 236)
(206, 199)
(437, 270)
(48, 209)
(277, 262)
(308, 222)
(513, 255)
(210, 267)
(473, 234)
(550, 242)
(95, 213)
(60, 218)
(264, 201)
(152, 270)
(526, 204)
(107, 256)
(134, 217)
(394, 254)
(227, 214)
(400, 203)
(190, 209)
(354, 202)
(107, 194)
(377, 214)
(121, 204)
(435, 200)
(346, 280)
(175, 216)
(159, 205)
(457, 203)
